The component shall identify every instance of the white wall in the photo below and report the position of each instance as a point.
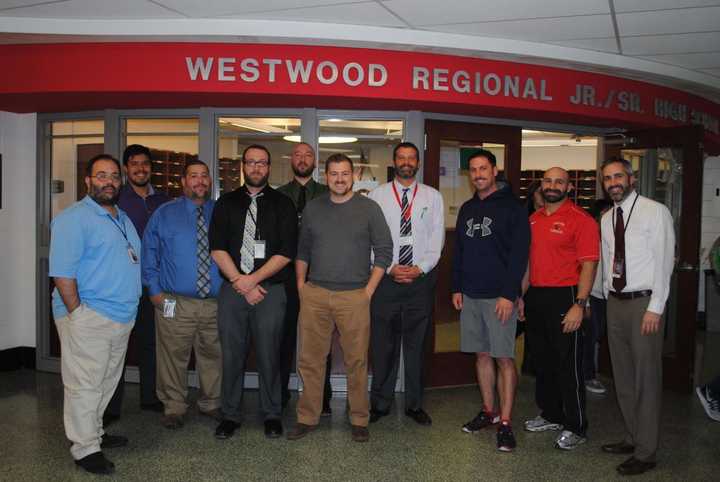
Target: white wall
(17, 230)
(710, 226)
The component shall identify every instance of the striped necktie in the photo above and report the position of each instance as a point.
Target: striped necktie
(406, 251)
(203, 256)
(247, 253)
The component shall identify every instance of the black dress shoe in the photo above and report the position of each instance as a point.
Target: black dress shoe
(96, 463)
(326, 410)
(621, 448)
(376, 415)
(113, 441)
(226, 429)
(273, 428)
(109, 419)
(633, 466)
(153, 407)
(420, 416)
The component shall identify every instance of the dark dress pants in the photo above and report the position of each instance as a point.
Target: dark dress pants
(593, 329)
(400, 316)
(558, 357)
(239, 325)
(143, 339)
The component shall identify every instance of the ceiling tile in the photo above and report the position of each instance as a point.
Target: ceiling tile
(8, 4)
(543, 30)
(433, 12)
(671, 44)
(221, 8)
(93, 9)
(690, 61)
(647, 5)
(365, 13)
(608, 45)
(669, 21)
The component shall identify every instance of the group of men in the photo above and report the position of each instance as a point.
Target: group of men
(275, 269)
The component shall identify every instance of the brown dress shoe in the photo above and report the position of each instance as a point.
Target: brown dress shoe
(633, 466)
(171, 421)
(360, 434)
(299, 431)
(621, 448)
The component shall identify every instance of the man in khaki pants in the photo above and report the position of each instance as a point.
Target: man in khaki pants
(183, 282)
(337, 237)
(95, 263)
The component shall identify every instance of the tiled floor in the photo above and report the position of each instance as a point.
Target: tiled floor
(33, 445)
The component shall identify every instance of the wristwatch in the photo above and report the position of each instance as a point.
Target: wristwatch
(581, 302)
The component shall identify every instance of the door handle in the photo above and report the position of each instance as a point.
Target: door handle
(685, 266)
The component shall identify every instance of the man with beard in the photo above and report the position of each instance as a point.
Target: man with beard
(301, 190)
(402, 303)
(564, 253)
(139, 200)
(183, 282)
(95, 263)
(336, 283)
(253, 237)
(638, 246)
(491, 251)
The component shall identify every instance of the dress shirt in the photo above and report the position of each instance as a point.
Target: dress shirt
(428, 221)
(313, 190)
(90, 246)
(169, 260)
(649, 248)
(140, 209)
(276, 224)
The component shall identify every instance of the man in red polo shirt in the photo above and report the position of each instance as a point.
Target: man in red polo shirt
(564, 252)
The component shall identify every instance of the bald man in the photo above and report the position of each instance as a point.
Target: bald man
(564, 251)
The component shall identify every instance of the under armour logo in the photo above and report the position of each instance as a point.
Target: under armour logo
(484, 227)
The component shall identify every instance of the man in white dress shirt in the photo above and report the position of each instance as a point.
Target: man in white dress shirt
(402, 304)
(638, 246)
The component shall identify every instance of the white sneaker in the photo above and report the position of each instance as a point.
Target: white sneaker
(710, 404)
(539, 424)
(595, 386)
(569, 440)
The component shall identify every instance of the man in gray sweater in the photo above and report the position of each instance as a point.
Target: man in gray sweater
(339, 233)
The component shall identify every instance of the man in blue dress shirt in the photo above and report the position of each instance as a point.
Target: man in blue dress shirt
(95, 263)
(183, 283)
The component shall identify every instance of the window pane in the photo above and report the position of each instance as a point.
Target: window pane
(77, 127)
(278, 135)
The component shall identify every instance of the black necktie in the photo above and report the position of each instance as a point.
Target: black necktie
(619, 280)
(301, 199)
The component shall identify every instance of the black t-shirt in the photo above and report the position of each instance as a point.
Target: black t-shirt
(276, 225)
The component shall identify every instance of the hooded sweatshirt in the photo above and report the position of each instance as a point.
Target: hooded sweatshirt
(492, 241)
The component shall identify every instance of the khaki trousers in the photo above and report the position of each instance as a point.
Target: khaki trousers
(322, 310)
(92, 358)
(637, 370)
(194, 326)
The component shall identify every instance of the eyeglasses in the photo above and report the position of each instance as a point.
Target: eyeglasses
(104, 176)
(256, 163)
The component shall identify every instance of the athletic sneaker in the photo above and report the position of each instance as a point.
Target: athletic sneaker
(505, 438)
(482, 420)
(569, 440)
(709, 403)
(539, 424)
(595, 386)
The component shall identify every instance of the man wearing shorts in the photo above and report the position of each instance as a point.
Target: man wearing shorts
(492, 239)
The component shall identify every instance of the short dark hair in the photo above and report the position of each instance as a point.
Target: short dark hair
(194, 162)
(338, 158)
(100, 157)
(408, 145)
(256, 146)
(135, 150)
(627, 165)
(483, 153)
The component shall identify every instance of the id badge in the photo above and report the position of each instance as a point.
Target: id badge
(169, 308)
(132, 255)
(259, 249)
(617, 268)
(406, 240)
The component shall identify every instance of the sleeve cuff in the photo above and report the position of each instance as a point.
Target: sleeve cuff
(154, 288)
(655, 306)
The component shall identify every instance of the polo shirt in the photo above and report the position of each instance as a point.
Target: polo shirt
(560, 243)
(89, 245)
(140, 209)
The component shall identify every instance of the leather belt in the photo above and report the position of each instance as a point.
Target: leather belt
(631, 295)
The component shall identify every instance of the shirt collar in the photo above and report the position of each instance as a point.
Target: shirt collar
(399, 187)
(627, 203)
(131, 192)
(191, 207)
(261, 193)
(98, 209)
(565, 206)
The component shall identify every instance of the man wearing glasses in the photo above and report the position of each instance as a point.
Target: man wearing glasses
(253, 237)
(95, 263)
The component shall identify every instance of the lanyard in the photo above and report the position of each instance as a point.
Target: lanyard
(410, 205)
(632, 208)
(122, 230)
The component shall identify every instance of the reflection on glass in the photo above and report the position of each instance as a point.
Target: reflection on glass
(172, 142)
(369, 143)
(278, 135)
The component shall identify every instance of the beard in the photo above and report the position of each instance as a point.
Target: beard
(307, 172)
(103, 196)
(193, 195)
(618, 195)
(260, 183)
(553, 195)
(406, 171)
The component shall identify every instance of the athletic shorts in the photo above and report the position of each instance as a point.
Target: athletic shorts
(482, 332)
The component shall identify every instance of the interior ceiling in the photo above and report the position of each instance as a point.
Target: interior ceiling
(676, 33)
